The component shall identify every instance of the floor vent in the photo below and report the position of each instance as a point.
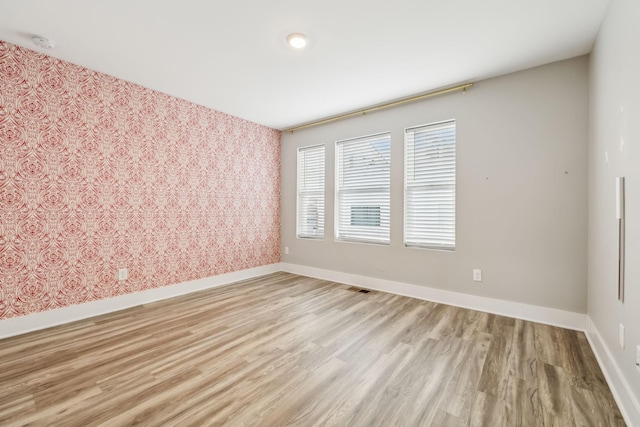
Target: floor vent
(359, 290)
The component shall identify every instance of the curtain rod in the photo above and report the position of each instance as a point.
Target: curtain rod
(381, 107)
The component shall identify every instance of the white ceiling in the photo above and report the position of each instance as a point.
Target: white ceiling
(231, 55)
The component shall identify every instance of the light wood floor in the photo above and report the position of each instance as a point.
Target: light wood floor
(290, 350)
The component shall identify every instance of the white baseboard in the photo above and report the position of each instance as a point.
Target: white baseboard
(46, 319)
(534, 313)
(627, 401)
(623, 394)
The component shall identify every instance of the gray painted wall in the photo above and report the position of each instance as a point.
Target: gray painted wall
(614, 150)
(521, 191)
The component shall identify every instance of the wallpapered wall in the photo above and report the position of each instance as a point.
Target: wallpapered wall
(97, 173)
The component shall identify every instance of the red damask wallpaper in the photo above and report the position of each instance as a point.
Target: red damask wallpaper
(97, 173)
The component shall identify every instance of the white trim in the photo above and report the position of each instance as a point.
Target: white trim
(534, 313)
(623, 394)
(46, 319)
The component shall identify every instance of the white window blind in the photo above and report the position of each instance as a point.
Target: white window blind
(362, 189)
(430, 186)
(311, 192)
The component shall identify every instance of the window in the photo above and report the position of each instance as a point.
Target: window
(362, 189)
(311, 192)
(430, 186)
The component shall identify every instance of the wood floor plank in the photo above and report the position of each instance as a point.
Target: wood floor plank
(495, 373)
(555, 395)
(445, 419)
(425, 381)
(17, 405)
(374, 386)
(523, 360)
(548, 342)
(522, 403)
(295, 407)
(463, 383)
(487, 410)
(361, 385)
(292, 350)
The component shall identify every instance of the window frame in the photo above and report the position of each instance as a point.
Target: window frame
(426, 244)
(347, 236)
(319, 195)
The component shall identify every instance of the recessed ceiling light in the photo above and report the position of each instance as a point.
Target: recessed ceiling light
(297, 40)
(43, 42)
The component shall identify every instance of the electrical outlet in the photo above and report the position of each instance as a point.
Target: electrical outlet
(123, 274)
(477, 275)
(286, 250)
(621, 335)
(638, 358)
